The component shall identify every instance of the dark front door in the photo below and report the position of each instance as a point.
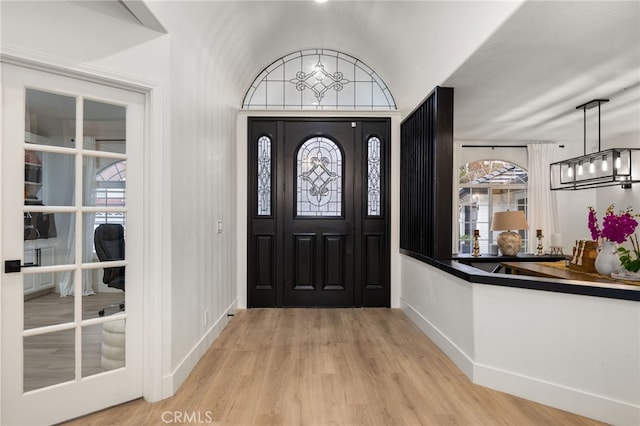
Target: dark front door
(318, 212)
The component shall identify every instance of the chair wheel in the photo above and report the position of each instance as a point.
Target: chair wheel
(122, 306)
(101, 313)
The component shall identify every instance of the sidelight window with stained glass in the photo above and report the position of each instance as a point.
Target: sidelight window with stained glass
(319, 178)
(264, 176)
(374, 146)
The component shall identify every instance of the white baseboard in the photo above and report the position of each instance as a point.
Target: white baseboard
(457, 355)
(172, 382)
(573, 400)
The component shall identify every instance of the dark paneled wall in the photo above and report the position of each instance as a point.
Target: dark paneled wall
(426, 164)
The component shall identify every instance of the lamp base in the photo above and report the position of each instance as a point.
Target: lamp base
(509, 243)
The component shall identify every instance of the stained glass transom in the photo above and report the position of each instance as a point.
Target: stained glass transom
(319, 178)
(373, 176)
(319, 79)
(264, 176)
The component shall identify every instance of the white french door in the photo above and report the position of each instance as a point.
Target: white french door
(71, 160)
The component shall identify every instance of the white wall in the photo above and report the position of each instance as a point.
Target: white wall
(576, 353)
(202, 110)
(443, 312)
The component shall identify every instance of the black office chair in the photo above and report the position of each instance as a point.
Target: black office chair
(108, 239)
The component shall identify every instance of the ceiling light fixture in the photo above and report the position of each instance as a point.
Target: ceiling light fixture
(568, 174)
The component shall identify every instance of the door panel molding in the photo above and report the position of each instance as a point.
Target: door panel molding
(304, 275)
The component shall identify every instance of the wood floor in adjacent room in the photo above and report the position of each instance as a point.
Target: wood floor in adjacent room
(329, 367)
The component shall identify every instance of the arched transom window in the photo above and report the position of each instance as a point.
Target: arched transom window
(319, 79)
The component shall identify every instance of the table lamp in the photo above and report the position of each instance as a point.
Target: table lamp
(509, 242)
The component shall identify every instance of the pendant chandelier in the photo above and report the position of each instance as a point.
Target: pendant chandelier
(603, 168)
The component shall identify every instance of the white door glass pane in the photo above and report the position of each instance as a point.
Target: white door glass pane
(104, 181)
(49, 178)
(49, 238)
(108, 229)
(105, 243)
(50, 119)
(42, 351)
(91, 349)
(104, 127)
(45, 309)
(105, 301)
(103, 347)
(319, 178)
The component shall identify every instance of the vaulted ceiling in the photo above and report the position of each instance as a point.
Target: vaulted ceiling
(519, 69)
(525, 82)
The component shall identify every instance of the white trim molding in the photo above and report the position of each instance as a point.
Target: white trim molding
(173, 381)
(56, 65)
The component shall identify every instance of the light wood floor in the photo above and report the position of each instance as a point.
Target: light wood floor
(330, 367)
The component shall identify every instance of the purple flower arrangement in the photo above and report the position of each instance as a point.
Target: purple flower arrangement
(615, 227)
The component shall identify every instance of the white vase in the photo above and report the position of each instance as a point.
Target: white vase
(607, 260)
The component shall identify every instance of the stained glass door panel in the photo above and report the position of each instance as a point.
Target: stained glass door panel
(319, 218)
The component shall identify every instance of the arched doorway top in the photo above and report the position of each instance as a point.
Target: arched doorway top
(319, 79)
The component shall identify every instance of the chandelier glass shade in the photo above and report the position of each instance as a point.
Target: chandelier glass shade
(603, 168)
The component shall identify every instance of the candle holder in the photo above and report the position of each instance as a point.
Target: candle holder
(539, 236)
(556, 250)
(476, 243)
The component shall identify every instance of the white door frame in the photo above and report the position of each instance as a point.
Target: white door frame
(157, 198)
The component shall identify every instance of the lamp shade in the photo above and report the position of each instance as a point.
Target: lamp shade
(509, 221)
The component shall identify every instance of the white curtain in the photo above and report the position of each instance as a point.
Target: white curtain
(543, 210)
(66, 284)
